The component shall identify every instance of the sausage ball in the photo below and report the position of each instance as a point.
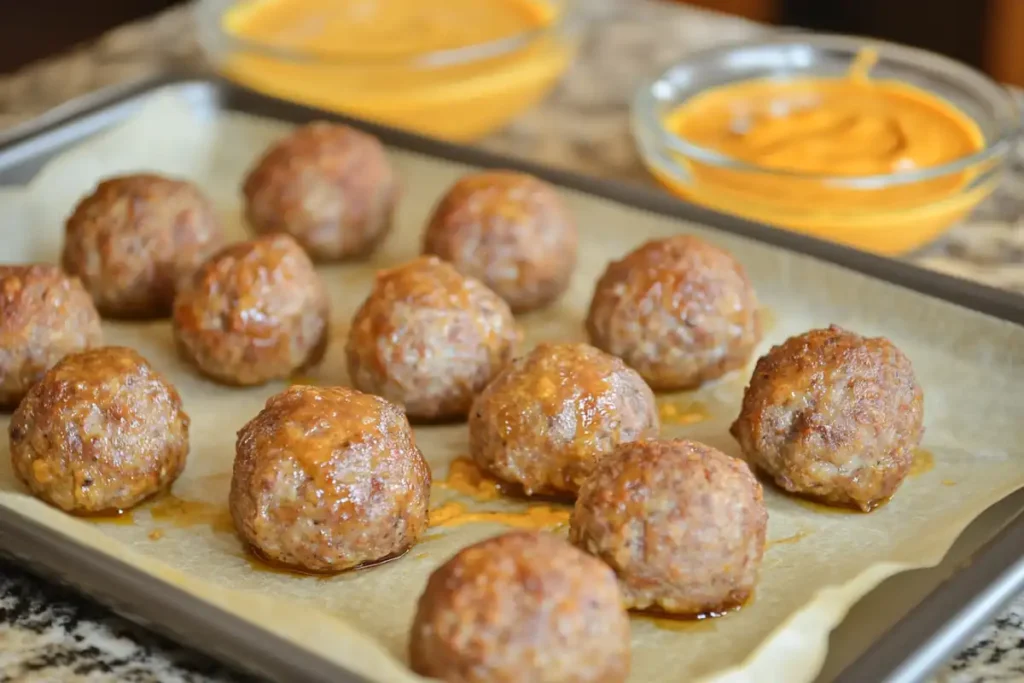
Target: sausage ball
(100, 432)
(429, 339)
(329, 186)
(682, 524)
(44, 316)
(256, 311)
(546, 420)
(510, 231)
(679, 311)
(327, 479)
(135, 239)
(833, 416)
(523, 607)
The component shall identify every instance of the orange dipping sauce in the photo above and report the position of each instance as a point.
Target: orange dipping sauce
(798, 139)
(455, 69)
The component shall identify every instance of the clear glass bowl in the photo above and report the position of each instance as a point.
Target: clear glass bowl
(459, 94)
(890, 213)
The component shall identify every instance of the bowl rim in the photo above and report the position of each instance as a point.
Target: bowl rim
(647, 123)
(210, 15)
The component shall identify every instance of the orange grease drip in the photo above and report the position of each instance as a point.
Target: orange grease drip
(788, 540)
(688, 622)
(682, 412)
(258, 562)
(184, 514)
(119, 517)
(684, 625)
(923, 462)
(826, 509)
(536, 517)
(156, 534)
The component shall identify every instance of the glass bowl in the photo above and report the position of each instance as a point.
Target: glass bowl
(459, 94)
(890, 213)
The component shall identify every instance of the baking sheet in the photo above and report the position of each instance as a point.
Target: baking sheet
(817, 563)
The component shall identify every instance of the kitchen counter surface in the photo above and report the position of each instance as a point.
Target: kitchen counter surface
(50, 634)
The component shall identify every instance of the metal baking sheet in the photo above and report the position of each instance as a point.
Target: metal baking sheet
(961, 601)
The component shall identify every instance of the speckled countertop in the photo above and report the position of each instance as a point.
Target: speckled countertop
(50, 634)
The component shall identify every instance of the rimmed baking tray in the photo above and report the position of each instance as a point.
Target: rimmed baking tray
(905, 645)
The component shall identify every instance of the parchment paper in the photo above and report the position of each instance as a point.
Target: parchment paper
(817, 565)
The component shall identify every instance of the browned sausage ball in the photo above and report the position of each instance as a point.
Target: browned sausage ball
(679, 311)
(525, 607)
(329, 186)
(327, 479)
(135, 239)
(546, 420)
(429, 339)
(256, 311)
(682, 524)
(833, 416)
(44, 315)
(509, 230)
(100, 432)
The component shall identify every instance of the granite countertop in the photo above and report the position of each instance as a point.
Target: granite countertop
(50, 634)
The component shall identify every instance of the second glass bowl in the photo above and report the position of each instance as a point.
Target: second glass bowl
(890, 213)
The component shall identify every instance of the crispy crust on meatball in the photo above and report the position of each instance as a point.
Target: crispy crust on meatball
(329, 186)
(429, 339)
(509, 230)
(679, 311)
(547, 419)
(44, 316)
(327, 479)
(523, 607)
(101, 431)
(682, 524)
(833, 416)
(135, 239)
(256, 311)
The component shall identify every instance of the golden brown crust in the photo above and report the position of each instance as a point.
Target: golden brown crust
(327, 479)
(254, 312)
(44, 315)
(524, 607)
(101, 431)
(329, 186)
(509, 230)
(429, 339)
(551, 415)
(678, 310)
(135, 239)
(834, 416)
(682, 525)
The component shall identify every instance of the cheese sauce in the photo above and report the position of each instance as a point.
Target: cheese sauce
(837, 127)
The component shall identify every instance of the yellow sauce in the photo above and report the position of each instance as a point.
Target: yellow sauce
(465, 477)
(379, 59)
(535, 517)
(839, 127)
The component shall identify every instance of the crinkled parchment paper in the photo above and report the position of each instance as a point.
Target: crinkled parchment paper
(817, 565)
